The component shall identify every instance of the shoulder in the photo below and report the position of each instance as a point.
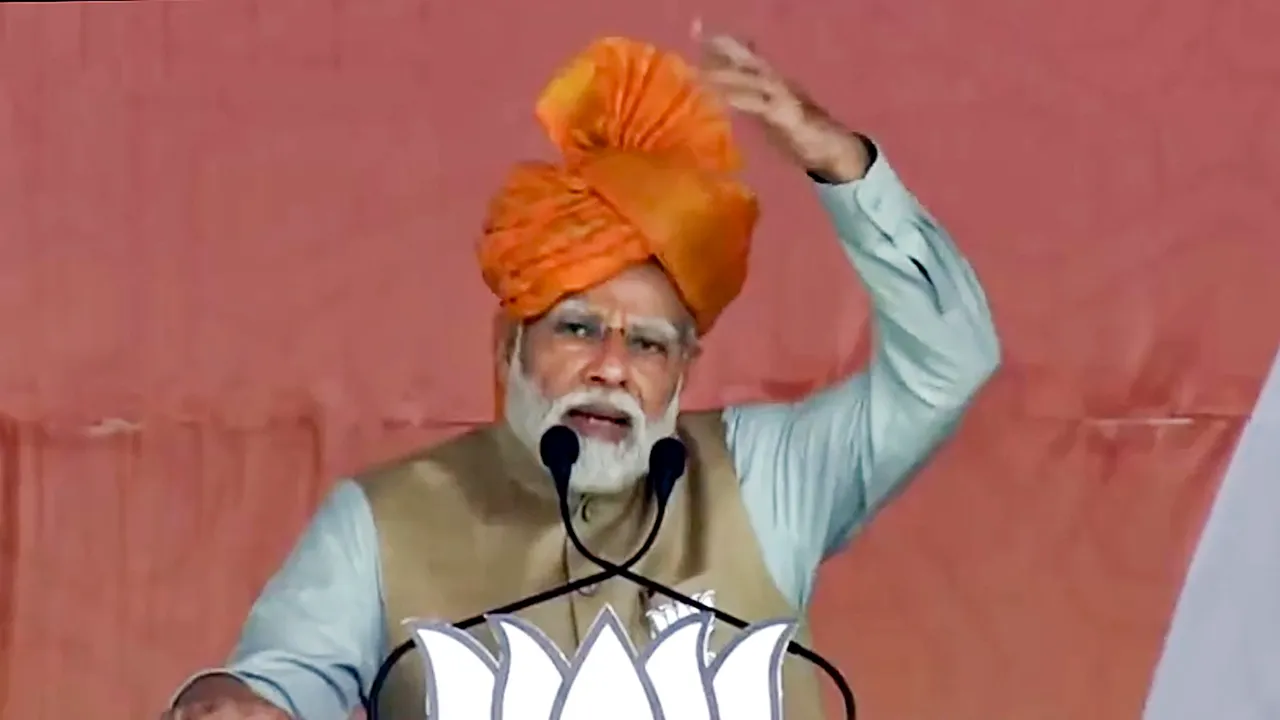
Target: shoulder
(705, 436)
(429, 465)
(703, 425)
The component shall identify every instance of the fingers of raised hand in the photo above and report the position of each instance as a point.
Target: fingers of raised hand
(734, 81)
(725, 52)
(759, 95)
(741, 78)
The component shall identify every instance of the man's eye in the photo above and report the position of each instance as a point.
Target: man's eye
(575, 329)
(650, 346)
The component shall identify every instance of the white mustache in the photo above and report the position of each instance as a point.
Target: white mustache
(612, 399)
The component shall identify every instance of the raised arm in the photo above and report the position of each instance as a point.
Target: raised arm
(314, 638)
(814, 471)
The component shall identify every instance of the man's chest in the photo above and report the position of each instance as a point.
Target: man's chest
(486, 574)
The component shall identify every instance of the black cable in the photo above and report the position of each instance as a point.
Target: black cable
(559, 451)
(661, 486)
(793, 647)
(560, 473)
(403, 648)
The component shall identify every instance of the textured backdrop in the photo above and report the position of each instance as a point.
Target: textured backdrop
(235, 262)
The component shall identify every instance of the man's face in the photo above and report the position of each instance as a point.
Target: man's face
(608, 363)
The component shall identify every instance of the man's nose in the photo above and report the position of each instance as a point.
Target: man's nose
(608, 368)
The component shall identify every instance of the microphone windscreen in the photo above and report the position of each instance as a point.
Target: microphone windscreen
(666, 465)
(558, 449)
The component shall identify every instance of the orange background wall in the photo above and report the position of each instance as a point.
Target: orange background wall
(235, 263)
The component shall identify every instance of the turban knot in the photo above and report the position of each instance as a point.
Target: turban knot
(647, 175)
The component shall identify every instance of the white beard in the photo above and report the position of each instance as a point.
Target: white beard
(603, 467)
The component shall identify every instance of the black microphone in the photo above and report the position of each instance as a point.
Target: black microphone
(666, 465)
(558, 449)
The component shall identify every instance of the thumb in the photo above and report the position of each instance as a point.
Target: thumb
(357, 714)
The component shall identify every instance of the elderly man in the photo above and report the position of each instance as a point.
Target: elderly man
(609, 269)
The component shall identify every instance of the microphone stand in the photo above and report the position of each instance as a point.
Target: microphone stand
(624, 571)
(384, 670)
(559, 452)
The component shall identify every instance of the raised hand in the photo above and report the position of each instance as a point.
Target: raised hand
(800, 128)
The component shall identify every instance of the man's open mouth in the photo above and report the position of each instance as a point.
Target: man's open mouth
(600, 415)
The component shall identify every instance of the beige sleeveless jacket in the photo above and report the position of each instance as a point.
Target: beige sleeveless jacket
(474, 523)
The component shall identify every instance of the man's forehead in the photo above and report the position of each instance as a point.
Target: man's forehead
(616, 315)
(643, 289)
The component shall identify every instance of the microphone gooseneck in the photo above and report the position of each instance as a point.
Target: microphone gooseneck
(666, 465)
(558, 450)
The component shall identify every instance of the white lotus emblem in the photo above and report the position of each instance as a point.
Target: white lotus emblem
(671, 680)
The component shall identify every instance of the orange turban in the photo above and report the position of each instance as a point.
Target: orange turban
(647, 170)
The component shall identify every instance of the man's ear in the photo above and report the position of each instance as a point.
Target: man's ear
(504, 340)
(691, 365)
(694, 354)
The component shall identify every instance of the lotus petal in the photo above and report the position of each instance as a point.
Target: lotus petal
(460, 673)
(676, 670)
(606, 676)
(530, 673)
(746, 677)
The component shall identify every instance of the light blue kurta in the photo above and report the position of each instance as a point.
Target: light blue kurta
(812, 472)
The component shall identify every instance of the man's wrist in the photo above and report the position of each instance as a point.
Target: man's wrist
(850, 160)
(215, 686)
